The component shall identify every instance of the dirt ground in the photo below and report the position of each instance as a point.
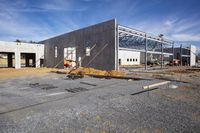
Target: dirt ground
(11, 72)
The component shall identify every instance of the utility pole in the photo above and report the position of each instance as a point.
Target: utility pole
(181, 55)
(146, 52)
(173, 54)
(161, 37)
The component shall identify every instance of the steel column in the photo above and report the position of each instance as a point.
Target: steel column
(161, 54)
(146, 52)
(181, 54)
(173, 54)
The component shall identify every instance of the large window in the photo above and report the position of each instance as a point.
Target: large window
(70, 53)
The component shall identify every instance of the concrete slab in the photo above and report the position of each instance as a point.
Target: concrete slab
(107, 107)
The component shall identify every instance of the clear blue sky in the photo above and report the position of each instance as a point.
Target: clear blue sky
(36, 20)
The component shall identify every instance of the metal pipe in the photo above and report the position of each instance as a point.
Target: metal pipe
(156, 85)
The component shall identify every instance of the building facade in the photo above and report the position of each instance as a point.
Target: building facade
(14, 51)
(94, 46)
(127, 58)
(103, 46)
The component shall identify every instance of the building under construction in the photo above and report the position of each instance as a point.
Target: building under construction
(105, 46)
(109, 45)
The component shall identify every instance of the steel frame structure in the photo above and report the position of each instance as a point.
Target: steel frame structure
(182, 54)
(135, 40)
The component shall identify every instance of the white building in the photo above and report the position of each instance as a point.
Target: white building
(127, 57)
(34, 52)
(192, 55)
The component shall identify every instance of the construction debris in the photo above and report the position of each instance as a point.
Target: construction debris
(156, 85)
(69, 63)
(78, 89)
(75, 76)
(92, 71)
(118, 77)
(193, 69)
(79, 72)
(151, 87)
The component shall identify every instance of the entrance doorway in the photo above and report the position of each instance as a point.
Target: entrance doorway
(7, 60)
(70, 57)
(28, 60)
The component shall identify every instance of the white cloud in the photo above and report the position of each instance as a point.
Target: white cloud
(173, 27)
(170, 22)
(14, 24)
(186, 37)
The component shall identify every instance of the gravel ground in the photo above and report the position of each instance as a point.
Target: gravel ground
(41, 103)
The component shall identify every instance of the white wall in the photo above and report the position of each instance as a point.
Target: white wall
(192, 55)
(132, 56)
(19, 48)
